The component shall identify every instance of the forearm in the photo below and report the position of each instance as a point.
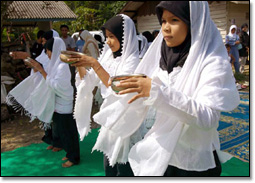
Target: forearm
(101, 73)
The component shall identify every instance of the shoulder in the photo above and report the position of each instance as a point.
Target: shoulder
(70, 38)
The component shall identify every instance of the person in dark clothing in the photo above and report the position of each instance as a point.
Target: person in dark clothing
(149, 37)
(37, 47)
(245, 41)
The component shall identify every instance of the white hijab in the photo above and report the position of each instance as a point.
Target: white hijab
(207, 54)
(55, 33)
(230, 33)
(144, 45)
(38, 99)
(108, 142)
(44, 60)
(90, 47)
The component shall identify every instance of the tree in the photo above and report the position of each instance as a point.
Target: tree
(4, 13)
(91, 14)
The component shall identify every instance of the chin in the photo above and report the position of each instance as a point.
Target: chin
(169, 44)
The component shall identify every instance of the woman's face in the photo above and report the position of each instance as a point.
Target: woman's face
(233, 30)
(48, 53)
(112, 41)
(245, 28)
(174, 30)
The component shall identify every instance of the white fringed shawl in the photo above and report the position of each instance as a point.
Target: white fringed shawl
(115, 148)
(205, 82)
(34, 94)
(90, 47)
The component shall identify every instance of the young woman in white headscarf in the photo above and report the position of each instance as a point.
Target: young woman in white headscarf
(52, 100)
(119, 56)
(17, 98)
(189, 82)
(233, 40)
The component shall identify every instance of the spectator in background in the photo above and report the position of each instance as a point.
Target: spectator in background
(37, 47)
(233, 40)
(245, 41)
(80, 42)
(69, 42)
(231, 59)
(149, 37)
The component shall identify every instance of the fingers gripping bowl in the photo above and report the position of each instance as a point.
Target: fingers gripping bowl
(116, 80)
(65, 55)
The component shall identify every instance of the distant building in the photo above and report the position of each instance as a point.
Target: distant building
(37, 13)
(223, 13)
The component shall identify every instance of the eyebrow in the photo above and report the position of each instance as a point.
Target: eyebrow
(170, 17)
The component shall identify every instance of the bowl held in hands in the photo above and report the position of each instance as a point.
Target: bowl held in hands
(116, 80)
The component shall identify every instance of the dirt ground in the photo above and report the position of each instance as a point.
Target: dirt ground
(19, 132)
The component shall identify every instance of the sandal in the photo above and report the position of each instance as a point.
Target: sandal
(64, 158)
(67, 164)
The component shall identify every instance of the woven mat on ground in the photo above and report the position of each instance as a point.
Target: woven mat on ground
(35, 160)
(234, 130)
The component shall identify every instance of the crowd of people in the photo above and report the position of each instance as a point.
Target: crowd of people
(238, 49)
(187, 81)
(239, 46)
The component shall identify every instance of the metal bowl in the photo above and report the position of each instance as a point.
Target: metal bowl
(67, 54)
(116, 80)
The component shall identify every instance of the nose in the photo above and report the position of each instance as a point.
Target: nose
(167, 27)
(108, 41)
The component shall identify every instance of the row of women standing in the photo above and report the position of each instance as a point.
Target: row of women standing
(189, 82)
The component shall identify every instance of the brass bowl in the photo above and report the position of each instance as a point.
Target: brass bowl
(116, 80)
(67, 54)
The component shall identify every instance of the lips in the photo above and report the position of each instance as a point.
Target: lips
(167, 38)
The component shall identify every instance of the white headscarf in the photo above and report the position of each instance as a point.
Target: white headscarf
(107, 141)
(230, 33)
(90, 47)
(55, 33)
(206, 77)
(38, 99)
(44, 60)
(19, 96)
(144, 45)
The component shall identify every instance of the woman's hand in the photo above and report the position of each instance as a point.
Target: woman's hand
(36, 65)
(82, 61)
(19, 55)
(140, 85)
(237, 42)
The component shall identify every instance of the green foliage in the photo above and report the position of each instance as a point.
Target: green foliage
(5, 37)
(91, 14)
